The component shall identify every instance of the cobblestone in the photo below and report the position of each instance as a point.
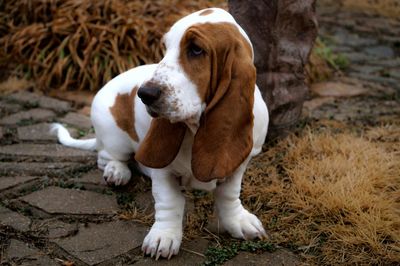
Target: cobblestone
(337, 89)
(40, 132)
(192, 252)
(36, 114)
(26, 255)
(386, 62)
(19, 250)
(56, 200)
(95, 243)
(77, 120)
(55, 228)
(12, 181)
(14, 220)
(94, 177)
(48, 152)
(280, 257)
(380, 51)
(40, 169)
(366, 69)
(32, 99)
(9, 108)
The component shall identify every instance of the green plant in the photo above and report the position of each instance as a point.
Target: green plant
(218, 255)
(337, 61)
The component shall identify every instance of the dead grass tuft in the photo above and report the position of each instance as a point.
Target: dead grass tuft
(389, 8)
(13, 84)
(328, 194)
(83, 44)
(333, 197)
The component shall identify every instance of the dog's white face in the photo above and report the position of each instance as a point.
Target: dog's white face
(179, 100)
(178, 88)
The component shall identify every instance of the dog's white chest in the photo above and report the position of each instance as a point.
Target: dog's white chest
(182, 167)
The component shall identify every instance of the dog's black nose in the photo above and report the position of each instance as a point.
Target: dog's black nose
(149, 94)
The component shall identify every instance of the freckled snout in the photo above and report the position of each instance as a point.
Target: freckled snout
(149, 94)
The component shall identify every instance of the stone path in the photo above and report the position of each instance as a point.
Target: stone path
(368, 91)
(56, 210)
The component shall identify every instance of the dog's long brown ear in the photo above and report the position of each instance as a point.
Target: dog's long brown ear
(225, 136)
(161, 144)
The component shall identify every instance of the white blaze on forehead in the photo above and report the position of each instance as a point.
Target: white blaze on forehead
(173, 37)
(180, 99)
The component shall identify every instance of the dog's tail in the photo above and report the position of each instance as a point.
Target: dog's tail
(65, 138)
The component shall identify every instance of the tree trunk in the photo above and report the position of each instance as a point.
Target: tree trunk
(283, 33)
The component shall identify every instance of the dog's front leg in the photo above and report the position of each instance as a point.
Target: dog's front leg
(165, 236)
(238, 221)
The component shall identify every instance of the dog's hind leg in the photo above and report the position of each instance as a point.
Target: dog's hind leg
(116, 171)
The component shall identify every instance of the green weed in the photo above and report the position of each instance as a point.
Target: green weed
(218, 255)
(337, 61)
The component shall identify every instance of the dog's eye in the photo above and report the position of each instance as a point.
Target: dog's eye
(195, 50)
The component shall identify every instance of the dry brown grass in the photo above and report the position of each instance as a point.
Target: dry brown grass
(13, 84)
(83, 44)
(80, 45)
(318, 68)
(333, 197)
(389, 8)
(328, 194)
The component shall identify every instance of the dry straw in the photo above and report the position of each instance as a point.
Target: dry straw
(83, 44)
(331, 197)
(335, 198)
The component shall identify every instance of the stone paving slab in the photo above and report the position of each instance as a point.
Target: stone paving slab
(388, 81)
(9, 108)
(56, 200)
(36, 114)
(40, 132)
(395, 73)
(18, 250)
(279, 257)
(337, 89)
(93, 177)
(145, 202)
(380, 51)
(386, 62)
(95, 243)
(77, 120)
(40, 169)
(12, 181)
(42, 101)
(14, 219)
(190, 253)
(53, 228)
(50, 152)
(366, 69)
(27, 254)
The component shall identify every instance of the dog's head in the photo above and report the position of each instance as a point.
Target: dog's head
(205, 83)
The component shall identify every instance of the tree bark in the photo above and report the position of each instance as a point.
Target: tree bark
(283, 33)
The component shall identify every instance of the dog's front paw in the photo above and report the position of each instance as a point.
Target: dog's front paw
(116, 173)
(244, 225)
(163, 242)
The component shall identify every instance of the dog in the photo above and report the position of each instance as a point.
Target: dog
(195, 119)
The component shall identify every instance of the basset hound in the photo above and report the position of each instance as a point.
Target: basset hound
(194, 120)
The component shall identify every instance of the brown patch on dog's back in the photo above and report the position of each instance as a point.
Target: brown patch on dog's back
(206, 12)
(123, 112)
